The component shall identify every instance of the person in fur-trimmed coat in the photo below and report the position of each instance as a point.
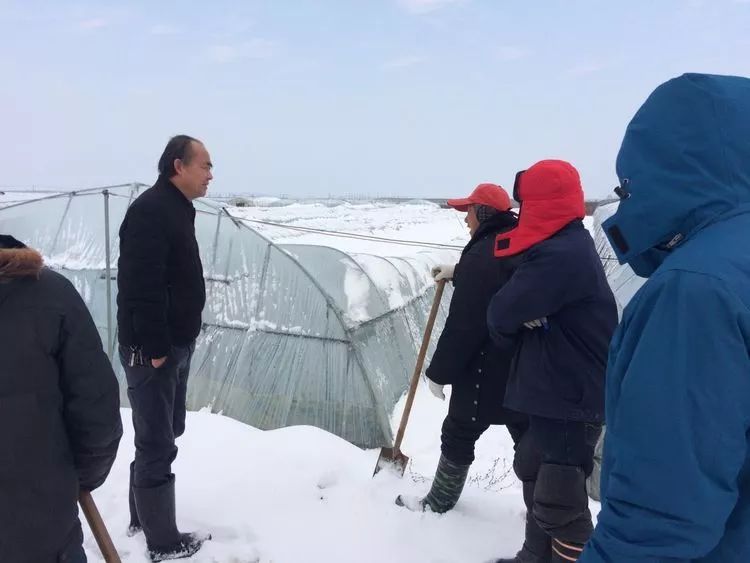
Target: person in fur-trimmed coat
(59, 410)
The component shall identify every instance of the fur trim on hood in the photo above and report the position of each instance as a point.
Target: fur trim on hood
(18, 261)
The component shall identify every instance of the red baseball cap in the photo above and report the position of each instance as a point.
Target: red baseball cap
(491, 195)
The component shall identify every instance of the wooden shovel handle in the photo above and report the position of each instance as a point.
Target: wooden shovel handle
(420, 363)
(98, 528)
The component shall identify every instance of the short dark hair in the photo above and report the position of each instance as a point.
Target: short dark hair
(178, 147)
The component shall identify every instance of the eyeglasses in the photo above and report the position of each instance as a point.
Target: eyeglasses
(621, 191)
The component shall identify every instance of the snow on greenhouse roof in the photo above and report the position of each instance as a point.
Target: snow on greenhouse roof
(415, 222)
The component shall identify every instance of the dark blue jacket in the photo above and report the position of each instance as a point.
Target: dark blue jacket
(558, 371)
(466, 357)
(676, 470)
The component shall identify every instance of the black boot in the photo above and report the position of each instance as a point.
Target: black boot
(525, 557)
(446, 488)
(564, 552)
(156, 509)
(561, 504)
(135, 524)
(536, 547)
(537, 544)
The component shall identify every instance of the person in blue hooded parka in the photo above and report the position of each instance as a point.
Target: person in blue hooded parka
(676, 469)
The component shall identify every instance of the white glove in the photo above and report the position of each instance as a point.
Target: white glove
(537, 323)
(435, 388)
(443, 272)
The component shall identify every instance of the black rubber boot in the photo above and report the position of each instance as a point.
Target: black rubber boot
(135, 524)
(561, 507)
(156, 509)
(536, 547)
(446, 488)
(564, 552)
(561, 504)
(524, 557)
(537, 544)
(188, 546)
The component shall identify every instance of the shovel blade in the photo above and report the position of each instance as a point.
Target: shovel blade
(392, 460)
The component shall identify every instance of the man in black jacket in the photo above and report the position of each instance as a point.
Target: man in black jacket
(160, 300)
(559, 313)
(59, 410)
(466, 357)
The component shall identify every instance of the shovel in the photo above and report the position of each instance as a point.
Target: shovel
(393, 458)
(98, 528)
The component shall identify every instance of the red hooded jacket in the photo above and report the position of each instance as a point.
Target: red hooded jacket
(551, 197)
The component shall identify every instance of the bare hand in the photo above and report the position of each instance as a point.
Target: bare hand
(158, 362)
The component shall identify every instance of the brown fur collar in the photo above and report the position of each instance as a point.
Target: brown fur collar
(19, 263)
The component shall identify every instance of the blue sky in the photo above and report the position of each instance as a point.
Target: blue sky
(422, 98)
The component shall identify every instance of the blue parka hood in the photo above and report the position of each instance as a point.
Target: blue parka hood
(684, 163)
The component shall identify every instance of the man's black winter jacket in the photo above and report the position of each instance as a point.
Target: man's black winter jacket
(161, 292)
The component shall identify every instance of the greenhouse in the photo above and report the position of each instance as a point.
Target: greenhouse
(292, 333)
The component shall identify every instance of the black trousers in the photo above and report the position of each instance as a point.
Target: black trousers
(458, 438)
(157, 396)
(553, 459)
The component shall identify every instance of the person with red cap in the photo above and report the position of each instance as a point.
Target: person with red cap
(557, 312)
(466, 357)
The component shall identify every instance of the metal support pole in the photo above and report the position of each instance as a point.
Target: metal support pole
(110, 344)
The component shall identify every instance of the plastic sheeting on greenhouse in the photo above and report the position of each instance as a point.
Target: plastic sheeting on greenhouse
(621, 278)
(292, 334)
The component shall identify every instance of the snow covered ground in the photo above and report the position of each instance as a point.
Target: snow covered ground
(300, 494)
